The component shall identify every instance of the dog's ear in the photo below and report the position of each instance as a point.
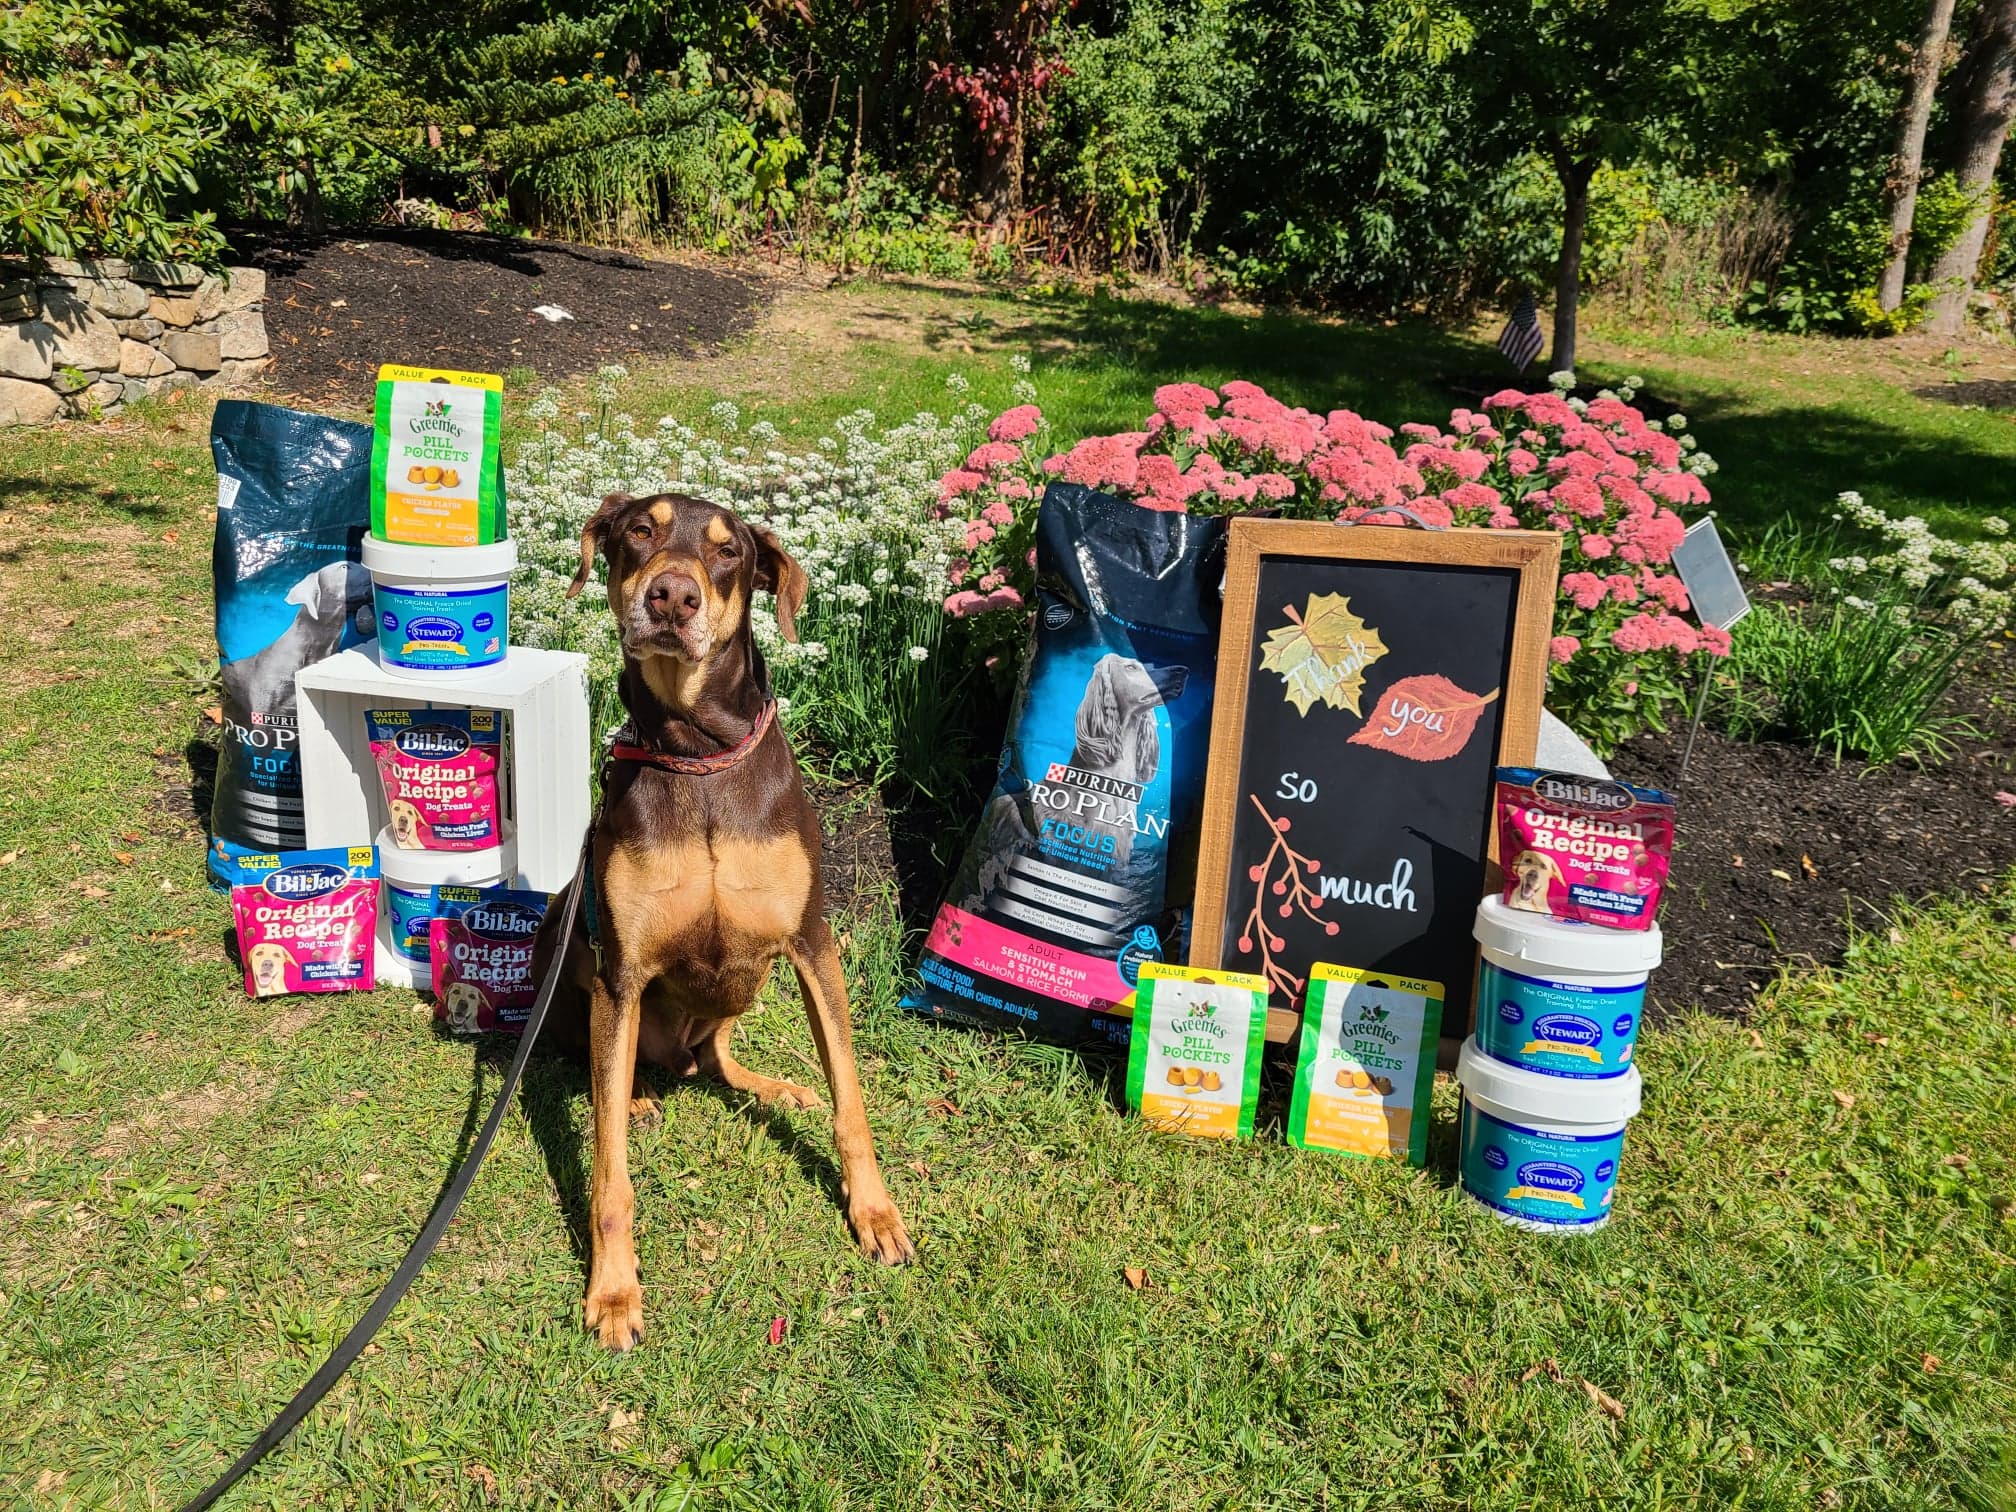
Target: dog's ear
(1099, 711)
(777, 573)
(593, 534)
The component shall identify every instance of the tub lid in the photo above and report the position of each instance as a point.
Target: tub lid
(429, 564)
(1514, 1093)
(1541, 940)
(414, 869)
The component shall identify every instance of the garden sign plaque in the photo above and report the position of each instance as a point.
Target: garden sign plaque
(1369, 680)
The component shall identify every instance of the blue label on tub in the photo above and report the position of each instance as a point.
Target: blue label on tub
(459, 629)
(1559, 1179)
(411, 913)
(1560, 1028)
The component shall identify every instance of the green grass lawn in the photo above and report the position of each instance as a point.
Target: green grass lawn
(1807, 1301)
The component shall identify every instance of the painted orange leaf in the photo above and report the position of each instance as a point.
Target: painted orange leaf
(1424, 718)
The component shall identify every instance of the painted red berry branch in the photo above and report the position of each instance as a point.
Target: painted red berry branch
(1294, 893)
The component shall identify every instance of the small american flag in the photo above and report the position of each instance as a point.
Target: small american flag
(1521, 341)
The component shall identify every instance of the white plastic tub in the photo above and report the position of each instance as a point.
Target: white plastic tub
(1557, 998)
(441, 609)
(1541, 1152)
(410, 879)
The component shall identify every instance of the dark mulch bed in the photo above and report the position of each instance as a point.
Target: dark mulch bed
(1780, 849)
(339, 306)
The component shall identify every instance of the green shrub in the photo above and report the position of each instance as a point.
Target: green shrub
(100, 150)
(1864, 669)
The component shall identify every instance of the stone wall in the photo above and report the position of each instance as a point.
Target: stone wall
(83, 338)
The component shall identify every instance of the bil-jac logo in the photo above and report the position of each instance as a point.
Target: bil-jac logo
(1567, 1029)
(431, 742)
(502, 921)
(305, 880)
(1563, 787)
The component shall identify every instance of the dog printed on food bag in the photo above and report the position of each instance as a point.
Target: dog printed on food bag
(1529, 877)
(464, 1005)
(704, 870)
(266, 967)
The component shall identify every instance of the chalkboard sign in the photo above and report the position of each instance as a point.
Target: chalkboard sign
(1369, 680)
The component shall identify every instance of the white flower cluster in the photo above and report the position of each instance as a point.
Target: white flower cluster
(857, 509)
(1967, 582)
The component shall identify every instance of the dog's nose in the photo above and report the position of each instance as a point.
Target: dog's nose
(672, 596)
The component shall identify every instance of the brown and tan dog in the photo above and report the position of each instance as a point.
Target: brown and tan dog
(706, 868)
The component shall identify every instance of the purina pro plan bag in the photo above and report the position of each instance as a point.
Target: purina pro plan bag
(1085, 856)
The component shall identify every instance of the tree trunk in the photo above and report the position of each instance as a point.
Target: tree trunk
(1575, 176)
(1901, 190)
(1987, 105)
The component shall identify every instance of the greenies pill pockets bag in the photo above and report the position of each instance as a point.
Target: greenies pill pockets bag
(1193, 1059)
(1366, 1069)
(435, 479)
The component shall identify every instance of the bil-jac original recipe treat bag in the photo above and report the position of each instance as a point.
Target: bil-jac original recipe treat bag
(293, 503)
(1085, 857)
(1193, 1060)
(481, 945)
(307, 920)
(1585, 849)
(1365, 1072)
(435, 479)
(440, 772)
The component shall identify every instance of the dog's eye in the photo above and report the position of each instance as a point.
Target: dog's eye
(640, 531)
(728, 552)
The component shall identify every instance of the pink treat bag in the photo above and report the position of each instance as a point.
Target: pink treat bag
(307, 920)
(1584, 849)
(480, 943)
(439, 767)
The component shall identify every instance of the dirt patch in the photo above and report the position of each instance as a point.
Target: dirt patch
(185, 1112)
(856, 863)
(1778, 849)
(16, 1010)
(338, 307)
(289, 1022)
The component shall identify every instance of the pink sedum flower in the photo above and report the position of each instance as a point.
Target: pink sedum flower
(1562, 647)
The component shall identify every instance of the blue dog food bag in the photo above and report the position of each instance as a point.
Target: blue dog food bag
(1085, 857)
(293, 504)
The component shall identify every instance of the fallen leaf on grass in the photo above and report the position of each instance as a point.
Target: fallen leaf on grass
(1611, 1407)
(943, 1105)
(1318, 1229)
(1806, 865)
(485, 1477)
(778, 1326)
(1137, 1278)
(1931, 1362)
(8, 858)
(919, 1167)
(214, 714)
(49, 1480)
(1896, 935)
(1756, 1040)
(1846, 1099)
(1959, 1162)
(171, 536)
(623, 1427)
(1549, 1367)
(124, 858)
(1877, 1039)
(131, 837)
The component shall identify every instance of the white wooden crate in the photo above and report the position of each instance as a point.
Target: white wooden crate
(542, 782)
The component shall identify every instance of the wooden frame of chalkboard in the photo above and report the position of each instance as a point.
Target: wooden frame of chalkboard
(1370, 679)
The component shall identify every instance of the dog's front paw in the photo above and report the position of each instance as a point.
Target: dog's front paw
(614, 1311)
(878, 1229)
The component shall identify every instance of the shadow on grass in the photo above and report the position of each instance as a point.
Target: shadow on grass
(556, 1080)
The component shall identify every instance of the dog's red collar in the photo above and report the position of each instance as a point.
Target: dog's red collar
(698, 766)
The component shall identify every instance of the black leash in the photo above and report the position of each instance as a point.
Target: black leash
(362, 1331)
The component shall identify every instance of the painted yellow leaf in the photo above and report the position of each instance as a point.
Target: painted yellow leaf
(1322, 653)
